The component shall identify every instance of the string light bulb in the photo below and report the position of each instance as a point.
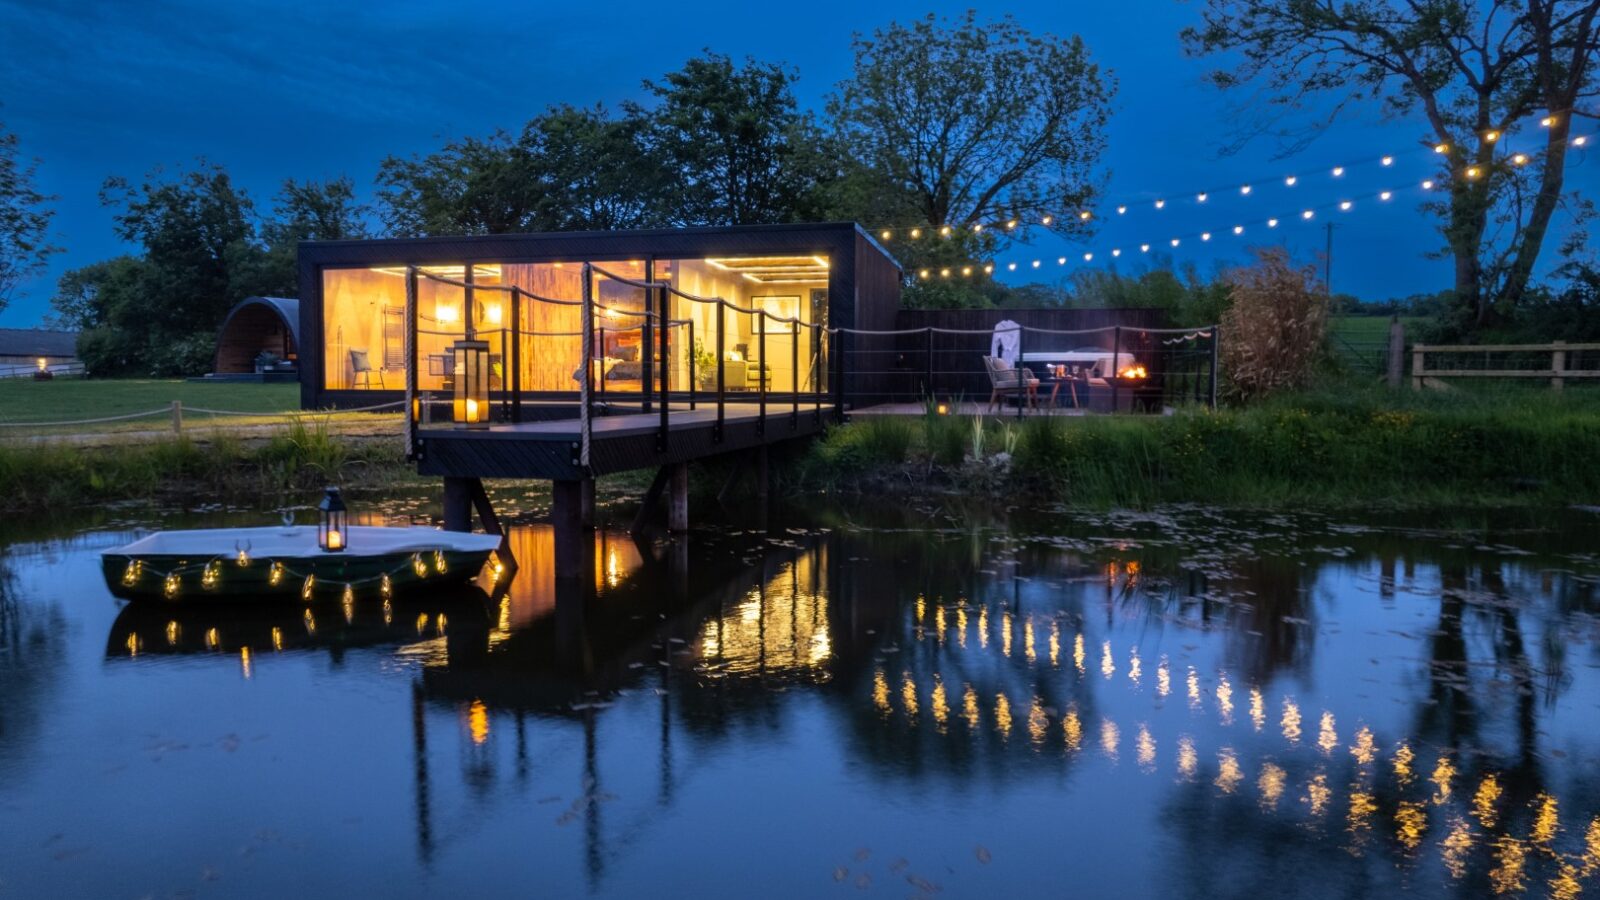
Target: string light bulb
(1491, 136)
(210, 575)
(1307, 214)
(988, 269)
(1011, 267)
(1244, 189)
(130, 575)
(1061, 260)
(923, 274)
(1427, 184)
(1205, 235)
(1344, 205)
(1144, 248)
(306, 588)
(421, 568)
(1121, 210)
(1088, 256)
(1200, 197)
(1547, 121)
(275, 574)
(1520, 159)
(1579, 141)
(1036, 264)
(1238, 229)
(1387, 161)
(966, 270)
(385, 586)
(944, 273)
(1473, 171)
(1385, 195)
(1116, 251)
(242, 558)
(1011, 224)
(1338, 171)
(916, 233)
(977, 228)
(1289, 182)
(885, 234)
(170, 585)
(1174, 242)
(945, 231)
(1272, 223)
(1441, 148)
(1161, 204)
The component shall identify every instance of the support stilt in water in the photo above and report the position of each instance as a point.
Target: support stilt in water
(458, 503)
(586, 501)
(574, 546)
(678, 498)
(652, 496)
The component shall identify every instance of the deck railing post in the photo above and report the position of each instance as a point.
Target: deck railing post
(794, 373)
(761, 373)
(722, 369)
(1022, 372)
(694, 374)
(600, 335)
(817, 366)
(1116, 364)
(664, 326)
(516, 354)
(413, 410)
(647, 380)
(927, 367)
(585, 415)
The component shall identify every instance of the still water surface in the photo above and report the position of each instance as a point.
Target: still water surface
(1179, 704)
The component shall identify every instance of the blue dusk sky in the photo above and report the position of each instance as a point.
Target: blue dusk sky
(318, 89)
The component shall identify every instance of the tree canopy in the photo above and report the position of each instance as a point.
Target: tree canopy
(25, 216)
(1473, 72)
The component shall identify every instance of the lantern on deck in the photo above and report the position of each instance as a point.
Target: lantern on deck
(471, 370)
(332, 532)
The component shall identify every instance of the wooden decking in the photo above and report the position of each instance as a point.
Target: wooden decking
(619, 441)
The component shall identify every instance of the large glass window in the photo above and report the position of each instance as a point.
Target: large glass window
(790, 287)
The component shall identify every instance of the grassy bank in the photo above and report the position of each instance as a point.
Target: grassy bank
(1341, 446)
(298, 457)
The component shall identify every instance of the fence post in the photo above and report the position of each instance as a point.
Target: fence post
(1558, 364)
(1116, 363)
(1216, 350)
(927, 368)
(1397, 349)
(177, 417)
(1417, 366)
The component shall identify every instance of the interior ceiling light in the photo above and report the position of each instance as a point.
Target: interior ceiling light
(774, 269)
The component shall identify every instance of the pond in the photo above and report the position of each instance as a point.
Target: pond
(864, 701)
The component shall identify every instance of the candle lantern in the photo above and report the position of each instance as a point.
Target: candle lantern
(471, 370)
(332, 530)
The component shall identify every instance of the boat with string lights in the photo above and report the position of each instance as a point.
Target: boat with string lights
(294, 563)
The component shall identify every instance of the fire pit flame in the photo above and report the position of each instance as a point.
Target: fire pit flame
(1133, 372)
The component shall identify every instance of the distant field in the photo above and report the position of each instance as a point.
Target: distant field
(24, 400)
(1367, 329)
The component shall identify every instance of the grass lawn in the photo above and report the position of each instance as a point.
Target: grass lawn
(65, 399)
(1368, 329)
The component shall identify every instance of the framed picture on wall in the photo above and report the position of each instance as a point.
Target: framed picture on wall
(786, 306)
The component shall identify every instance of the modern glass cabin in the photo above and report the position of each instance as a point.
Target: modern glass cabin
(354, 327)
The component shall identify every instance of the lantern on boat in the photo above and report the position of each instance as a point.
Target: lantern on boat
(471, 370)
(332, 531)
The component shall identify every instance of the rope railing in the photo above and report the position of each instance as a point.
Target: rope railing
(176, 409)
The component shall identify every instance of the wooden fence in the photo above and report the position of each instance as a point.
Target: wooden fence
(1554, 361)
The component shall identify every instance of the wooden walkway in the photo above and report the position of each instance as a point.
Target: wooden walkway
(619, 441)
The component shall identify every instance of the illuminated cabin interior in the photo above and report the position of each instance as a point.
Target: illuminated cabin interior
(824, 274)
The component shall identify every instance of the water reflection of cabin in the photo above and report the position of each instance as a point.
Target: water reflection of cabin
(354, 309)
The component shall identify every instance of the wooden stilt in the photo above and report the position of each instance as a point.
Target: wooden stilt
(739, 466)
(458, 502)
(647, 505)
(586, 501)
(678, 499)
(491, 523)
(573, 545)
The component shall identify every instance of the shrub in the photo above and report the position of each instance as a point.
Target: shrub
(886, 439)
(1274, 330)
(945, 436)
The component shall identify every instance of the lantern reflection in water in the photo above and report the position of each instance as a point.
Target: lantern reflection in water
(778, 626)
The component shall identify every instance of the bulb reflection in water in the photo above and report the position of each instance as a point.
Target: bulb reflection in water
(1145, 747)
(1077, 653)
(1163, 677)
(1364, 750)
(311, 623)
(132, 643)
(941, 708)
(961, 626)
(1005, 634)
(277, 638)
(922, 608)
(1109, 738)
(1228, 773)
(1258, 709)
(969, 707)
(1055, 644)
(1410, 821)
(1027, 640)
(478, 722)
(1455, 847)
(938, 622)
(213, 640)
(1225, 699)
(1188, 760)
(1317, 793)
(1327, 737)
(173, 634)
(1546, 822)
(908, 697)
(983, 627)
(1362, 806)
(1038, 723)
(1291, 721)
(503, 623)
(1002, 715)
(880, 692)
(1072, 730)
(1402, 765)
(1591, 847)
(1484, 800)
(246, 667)
(821, 648)
(1567, 883)
(1135, 668)
(1108, 666)
(1511, 859)
(1442, 773)
(1270, 784)
(422, 623)
(1194, 689)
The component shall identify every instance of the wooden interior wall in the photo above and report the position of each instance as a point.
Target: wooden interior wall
(548, 362)
(352, 316)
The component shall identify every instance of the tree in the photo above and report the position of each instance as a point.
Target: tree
(470, 186)
(731, 137)
(25, 217)
(594, 171)
(1476, 72)
(302, 211)
(963, 123)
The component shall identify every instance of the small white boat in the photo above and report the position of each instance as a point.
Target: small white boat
(267, 563)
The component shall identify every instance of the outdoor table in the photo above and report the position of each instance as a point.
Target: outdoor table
(1101, 359)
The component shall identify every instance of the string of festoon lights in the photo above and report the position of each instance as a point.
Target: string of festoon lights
(1237, 229)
